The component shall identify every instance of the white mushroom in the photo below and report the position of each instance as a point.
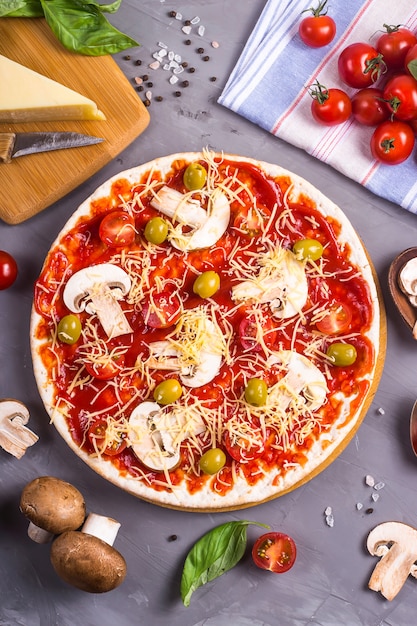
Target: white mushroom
(97, 290)
(206, 231)
(281, 282)
(156, 433)
(303, 379)
(15, 437)
(396, 544)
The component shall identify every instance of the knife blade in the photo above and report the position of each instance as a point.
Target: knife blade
(14, 145)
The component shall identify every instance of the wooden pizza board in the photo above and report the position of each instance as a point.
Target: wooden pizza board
(31, 183)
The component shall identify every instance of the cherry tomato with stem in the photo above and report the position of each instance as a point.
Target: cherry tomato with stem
(96, 434)
(8, 270)
(400, 93)
(392, 142)
(394, 44)
(319, 29)
(117, 229)
(336, 320)
(360, 65)
(275, 552)
(329, 106)
(369, 107)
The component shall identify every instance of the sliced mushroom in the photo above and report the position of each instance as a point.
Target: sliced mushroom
(407, 280)
(156, 433)
(179, 207)
(15, 437)
(396, 544)
(53, 506)
(281, 282)
(97, 289)
(86, 559)
(303, 379)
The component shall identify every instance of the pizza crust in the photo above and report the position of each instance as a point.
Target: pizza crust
(324, 450)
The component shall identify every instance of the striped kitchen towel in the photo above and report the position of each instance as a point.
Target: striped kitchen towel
(268, 87)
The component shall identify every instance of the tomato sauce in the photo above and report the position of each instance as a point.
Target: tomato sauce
(338, 281)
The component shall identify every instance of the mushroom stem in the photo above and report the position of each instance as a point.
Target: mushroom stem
(102, 527)
(15, 437)
(39, 535)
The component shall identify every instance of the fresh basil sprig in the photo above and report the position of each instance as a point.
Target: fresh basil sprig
(79, 25)
(214, 554)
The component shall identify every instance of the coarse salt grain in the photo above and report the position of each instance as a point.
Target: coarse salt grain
(161, 44)
(381, 411)
(138, 80)
(328, 510)
(178, 70)
(369, 480)
(330, 520)
(173, 80)
(379, 486)
(178, 16)
(186, 30)
(215, 44)
(359, 506)
(201, 30)
(154, 65)
(195, 20)
(375, 496)
(148, 95)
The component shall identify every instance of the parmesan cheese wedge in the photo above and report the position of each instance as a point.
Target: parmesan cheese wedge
(26, 96)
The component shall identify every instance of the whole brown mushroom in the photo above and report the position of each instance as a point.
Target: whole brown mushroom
(86, 558)
(53, 506)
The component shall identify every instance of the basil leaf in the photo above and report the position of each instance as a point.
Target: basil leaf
(412, 67)
(214, 554)
(20, 8)
(109, 8)
(81, 27)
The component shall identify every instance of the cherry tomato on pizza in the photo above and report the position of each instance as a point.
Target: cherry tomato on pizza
(105, 367)
(244, 448)
(336, 320)
(8, 270)
(100, 440)
(256, 329)
(319, 29)
(369, 107)
(394, 44)
(117, 229)
(274, 551)
(360, 65)
(392, 142)
(400, 92)
(251, 220)
(162, 309)
(329, 106)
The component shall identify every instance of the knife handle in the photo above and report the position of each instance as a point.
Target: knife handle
(7, 141)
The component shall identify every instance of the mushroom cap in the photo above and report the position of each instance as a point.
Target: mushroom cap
(87, 562)
(53, 504)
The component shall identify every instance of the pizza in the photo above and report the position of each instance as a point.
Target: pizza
(207, 332)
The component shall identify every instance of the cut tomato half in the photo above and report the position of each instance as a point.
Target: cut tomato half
(275, 552)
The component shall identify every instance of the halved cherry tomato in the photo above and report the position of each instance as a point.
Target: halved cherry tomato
(394, 44)
(251, 222)
(105, 368)
(117, 229)
(400, 92)
(97, 436)
(244, 449)
(162, 310)
(337, 320)
(319, 29)
(249, 329)
(369, 107)
(329, 106)
(360, 65)
(275, 552)
(392, 142)
(8, 270)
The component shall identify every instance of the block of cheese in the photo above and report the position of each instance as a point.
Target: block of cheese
(26, 96)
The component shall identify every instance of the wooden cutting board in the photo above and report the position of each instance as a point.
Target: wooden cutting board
(31, 183)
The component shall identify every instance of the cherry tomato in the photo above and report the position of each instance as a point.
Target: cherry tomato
(319, 29)
(162, 310)
(243, 449)
(360, 65)
(195, 176)
(97, 437)
(342, 354)
(251, 222)
(212, 461)
(337, 319)
(105, 368)
(256, 392)
(69, 329)
(410, 63)
(117, 229)
(369, 107)
(207, 284)
(167, 391)
(310, 249)
(156, 230)
(8, 270)
(249, 331)
(275, 552)
(329, 106)
(394, 44)
(400, 92)
(392, 142)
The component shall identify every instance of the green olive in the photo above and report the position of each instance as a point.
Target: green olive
(342, 354)
(156, 230)
(69, 329)
(212, 461)
(206, 284)
(168, 391)
(308, 249)
(195, 177)
(256, 392)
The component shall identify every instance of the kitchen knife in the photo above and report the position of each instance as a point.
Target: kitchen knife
(18, 144)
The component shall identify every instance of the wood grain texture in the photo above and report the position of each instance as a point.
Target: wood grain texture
(32, 183)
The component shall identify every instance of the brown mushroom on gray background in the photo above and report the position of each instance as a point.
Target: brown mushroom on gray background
(53, 506)
(86, 559)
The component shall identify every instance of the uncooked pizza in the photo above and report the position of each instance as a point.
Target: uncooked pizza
(206, 331)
